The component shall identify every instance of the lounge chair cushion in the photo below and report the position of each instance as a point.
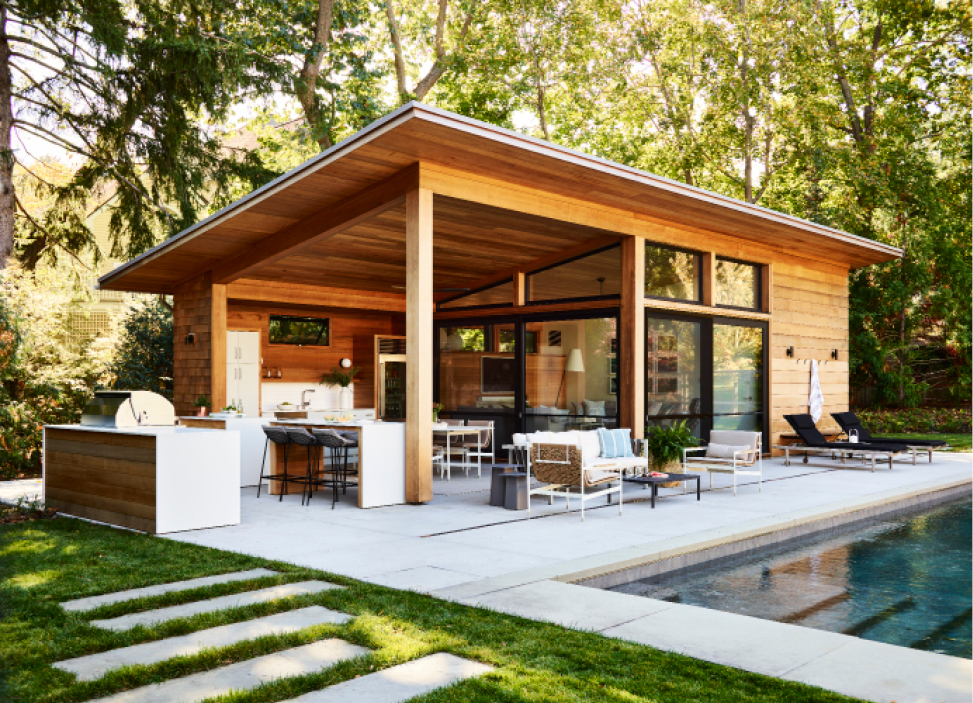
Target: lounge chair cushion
(725, 451)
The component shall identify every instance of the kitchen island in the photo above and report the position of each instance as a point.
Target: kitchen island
(381, 458)
(252, 440)
(155, 479)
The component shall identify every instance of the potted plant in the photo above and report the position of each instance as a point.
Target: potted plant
(202, 405)
(341, 378)
(436, 409)
(665, 444)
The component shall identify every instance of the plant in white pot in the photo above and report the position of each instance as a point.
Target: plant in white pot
(341, 378)
(665, 444)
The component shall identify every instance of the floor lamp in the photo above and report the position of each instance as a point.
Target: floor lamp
(574, 363)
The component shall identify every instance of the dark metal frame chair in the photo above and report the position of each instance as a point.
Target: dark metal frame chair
(302, 438)
(277, 435)
(339, 462)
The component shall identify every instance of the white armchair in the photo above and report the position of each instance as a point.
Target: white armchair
(728, 452)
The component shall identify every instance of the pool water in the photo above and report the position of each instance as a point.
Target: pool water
(904, 581)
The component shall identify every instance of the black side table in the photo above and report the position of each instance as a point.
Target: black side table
(655, 481)
(497, 489)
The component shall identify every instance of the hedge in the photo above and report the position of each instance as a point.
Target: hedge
(917, 420)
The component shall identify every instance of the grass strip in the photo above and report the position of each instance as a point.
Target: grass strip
(45, 562)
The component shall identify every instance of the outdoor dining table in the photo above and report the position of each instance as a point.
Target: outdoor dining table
(454, 430)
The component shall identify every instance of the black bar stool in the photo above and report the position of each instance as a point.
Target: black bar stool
(351, 437)
(339, 461)
(277, 435)
(302, 438)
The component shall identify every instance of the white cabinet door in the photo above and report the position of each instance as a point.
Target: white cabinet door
(232, 352)
(248, 344)
(248, 389)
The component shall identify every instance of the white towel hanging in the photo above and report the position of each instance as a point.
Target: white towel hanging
(815, 401)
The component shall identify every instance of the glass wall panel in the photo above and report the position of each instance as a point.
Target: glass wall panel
(572, 374)
(738, 376)
(737, 284)
(671, 273)
(501, 294)
(592, 276)
(673, 372)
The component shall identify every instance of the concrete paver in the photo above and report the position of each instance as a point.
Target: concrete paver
(243, 675)
(399, 683)
(236, 600)
(92, 602)
(95, 666)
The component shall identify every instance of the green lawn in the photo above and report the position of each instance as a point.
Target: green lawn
(44, 562)
(959, 442)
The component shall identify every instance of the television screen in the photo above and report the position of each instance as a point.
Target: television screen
(302, 331)
(498, 374)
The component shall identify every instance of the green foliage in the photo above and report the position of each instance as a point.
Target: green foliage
(202, 401)
(144, 360)
(917, 420)
(665, 444)
(340, 377)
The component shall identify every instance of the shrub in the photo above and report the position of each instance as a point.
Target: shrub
(144, 360)
(917, 420)
(665, 444)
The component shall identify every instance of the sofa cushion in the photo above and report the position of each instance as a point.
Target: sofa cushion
(519, 440)
(633, 462)
(725, 451)
(615, 443)
(594, 408)
(590, 446)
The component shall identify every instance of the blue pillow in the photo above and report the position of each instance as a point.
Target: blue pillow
(615, 444)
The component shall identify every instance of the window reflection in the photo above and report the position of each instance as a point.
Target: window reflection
(737, 284)
(671, 273)
(590, 276)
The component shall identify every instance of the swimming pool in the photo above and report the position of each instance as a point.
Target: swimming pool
(904, 581)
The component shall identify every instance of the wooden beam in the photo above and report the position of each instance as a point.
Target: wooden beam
(520, 288)
(321, 225)
(316, 296)
(581, 249)
(217, 345)
(631, 338)
(707, 272)
(767, 289)
(419, 346)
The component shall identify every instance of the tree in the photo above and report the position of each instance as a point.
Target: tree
(126, 88)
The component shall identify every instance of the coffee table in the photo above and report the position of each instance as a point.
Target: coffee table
(654, 482)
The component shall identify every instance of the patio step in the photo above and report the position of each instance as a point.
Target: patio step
(236, 600)
(399, 683)
(244, 675)
(92, 602)
(94, 666)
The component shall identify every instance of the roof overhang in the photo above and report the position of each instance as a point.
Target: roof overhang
(419, 134)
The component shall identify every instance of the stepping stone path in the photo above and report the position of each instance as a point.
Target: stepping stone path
(393, 685)
(399, 683)
(85, 604)
(236, 600)
(95, 666)
(244, 675)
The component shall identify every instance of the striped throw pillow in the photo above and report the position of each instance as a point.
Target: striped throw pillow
(615, 444)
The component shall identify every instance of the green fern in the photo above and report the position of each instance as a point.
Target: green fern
(665, 444)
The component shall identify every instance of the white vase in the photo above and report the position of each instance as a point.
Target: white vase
(345, 399)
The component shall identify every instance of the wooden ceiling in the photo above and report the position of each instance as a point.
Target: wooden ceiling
(471, 240)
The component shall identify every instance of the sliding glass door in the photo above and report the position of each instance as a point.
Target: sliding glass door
(706, 371)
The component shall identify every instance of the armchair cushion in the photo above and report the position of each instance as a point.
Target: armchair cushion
(615, 443)
(725, 451)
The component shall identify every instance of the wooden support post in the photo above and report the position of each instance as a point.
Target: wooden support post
(217, 346)
(418, 346)
(520, 289)
(631, 338)
(708, 275)
(767, 288)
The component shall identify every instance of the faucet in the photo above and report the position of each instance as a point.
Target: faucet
(304, 403)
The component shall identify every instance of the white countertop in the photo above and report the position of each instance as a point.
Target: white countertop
(151, 430)
(330, 423)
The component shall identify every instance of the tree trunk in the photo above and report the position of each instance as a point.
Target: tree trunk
(7, 200)
(307, 83)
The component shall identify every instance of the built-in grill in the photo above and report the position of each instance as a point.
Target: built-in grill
(128, 409)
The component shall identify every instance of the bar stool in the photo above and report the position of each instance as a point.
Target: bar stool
(279, 436)
(303, 438)
(339, 454)
(351, 437)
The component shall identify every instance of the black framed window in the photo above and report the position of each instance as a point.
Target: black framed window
(737, 284)
(496, 295)
(300, 331)
(593, 276)
(672, 274)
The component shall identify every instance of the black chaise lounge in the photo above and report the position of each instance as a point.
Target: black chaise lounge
(849, 421)
(813, 440)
